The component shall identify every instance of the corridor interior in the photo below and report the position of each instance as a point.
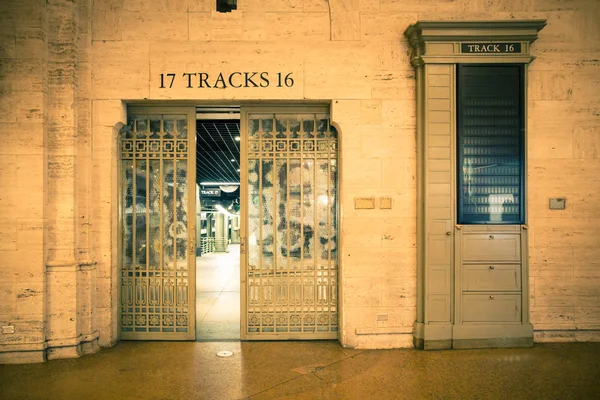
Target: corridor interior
(218, 295)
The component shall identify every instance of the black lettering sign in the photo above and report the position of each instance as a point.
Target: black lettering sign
(490, 48)
(210, 192)
(202, 80)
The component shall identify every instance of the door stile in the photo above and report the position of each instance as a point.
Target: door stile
(243, 223)
(157, 295)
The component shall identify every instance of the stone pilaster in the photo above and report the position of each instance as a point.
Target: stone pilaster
(69, 271)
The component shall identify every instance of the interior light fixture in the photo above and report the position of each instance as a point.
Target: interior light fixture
(237, 138)
(222, 210)
(219, 183)
(233, 160)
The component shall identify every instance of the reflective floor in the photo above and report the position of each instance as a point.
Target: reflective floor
(218, 295)
(309, 370)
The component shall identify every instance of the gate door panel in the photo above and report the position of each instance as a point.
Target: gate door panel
(290, 257)
(157, 257)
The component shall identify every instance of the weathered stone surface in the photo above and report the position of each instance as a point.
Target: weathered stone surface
(63, 94)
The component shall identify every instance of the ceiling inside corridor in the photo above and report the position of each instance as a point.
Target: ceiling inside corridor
(217, 150)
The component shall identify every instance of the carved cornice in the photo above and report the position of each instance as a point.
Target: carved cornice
(423, 33)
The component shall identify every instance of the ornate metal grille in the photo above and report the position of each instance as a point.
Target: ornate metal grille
(156, 235)
(292, 258)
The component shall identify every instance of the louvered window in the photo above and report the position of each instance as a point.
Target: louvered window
(490, 144)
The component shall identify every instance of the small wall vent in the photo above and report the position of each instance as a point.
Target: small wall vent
(226, 5)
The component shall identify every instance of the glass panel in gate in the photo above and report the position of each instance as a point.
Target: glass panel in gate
(292, 201)
(154, 267)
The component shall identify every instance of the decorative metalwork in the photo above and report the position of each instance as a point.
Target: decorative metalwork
(154, 265)
(292, 258)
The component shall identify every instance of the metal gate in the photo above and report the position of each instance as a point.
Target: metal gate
(289, 252)
(157, 244)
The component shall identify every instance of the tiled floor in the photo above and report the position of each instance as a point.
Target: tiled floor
(218, 295)
(309, 370)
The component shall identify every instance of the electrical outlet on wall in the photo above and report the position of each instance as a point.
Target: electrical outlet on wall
(8, 329)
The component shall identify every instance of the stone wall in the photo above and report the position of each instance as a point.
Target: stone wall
(23, 166)
(351, 53)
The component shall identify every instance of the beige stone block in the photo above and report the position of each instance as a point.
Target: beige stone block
(399, 113)
(587, 142)
(552, 255)
(450, 6)
(107, 25)
(360, 316)
(586, 261)
(584, 204)
(553, 315)
(553, 336)
(551, 146)
(166, 5)
(22, 203)
(22, 107)
(362, 291)
(555, 5)
(561, 232)
(22, 265)
(550, 85)
(345, 21)
(30, 298)
(361, 173)
(398, 262)
(361, 232)
(31, 42)
(588, 336)
(339, 71)
(556, 176)
(382, 341)
(200, 26)
(315, 6)
(226, 26)
(559, 32)
(398, 231)
(396, 143)
(30, 235)
(399, 293)
(299, 27)
(551, 269)
(290, 6)
(346, 111)
(8, 298)
(8, 235)
(142, 26)
(107, 113)
(567, 291)
(587, 315)
(369, 5)
(128, 81)
(587, 30)
(399, 174)
(388, 27)
(391, 56)
(29, 328)
(23, 13)
(552, 62)
(8, 45)
(394, 85)
(496, 5)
